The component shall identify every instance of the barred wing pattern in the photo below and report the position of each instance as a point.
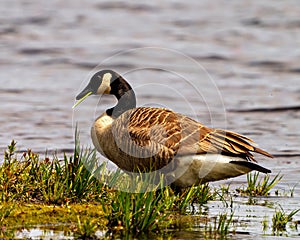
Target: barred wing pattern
(152, 137)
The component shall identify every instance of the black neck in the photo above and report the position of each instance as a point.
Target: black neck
(125, 95)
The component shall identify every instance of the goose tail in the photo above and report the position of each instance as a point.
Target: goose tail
(252, 166)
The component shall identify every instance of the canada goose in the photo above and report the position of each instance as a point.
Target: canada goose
(147, 138)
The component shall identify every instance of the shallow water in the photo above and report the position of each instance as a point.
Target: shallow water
(246, 74)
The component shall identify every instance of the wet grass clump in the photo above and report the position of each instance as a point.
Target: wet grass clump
(221, 226)
(259, 187)
(138, 212)
(43, 181)
(280, 220)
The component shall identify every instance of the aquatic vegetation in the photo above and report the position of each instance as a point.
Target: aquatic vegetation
(138, 212)
(144, 207)
(199, 195)
(292, 189)
(223, 194)
(224, 190)
(265, 224)
(78, 195)
(86, 229)
(259, 187)
(203, 193)
(184, 199)
(224, 222)
(221, 226)
(280, 220)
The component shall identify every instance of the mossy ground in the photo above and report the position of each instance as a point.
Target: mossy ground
(57, 217)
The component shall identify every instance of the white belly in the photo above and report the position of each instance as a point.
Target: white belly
(197, 169)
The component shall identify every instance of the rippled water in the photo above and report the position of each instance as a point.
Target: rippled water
(248, 54)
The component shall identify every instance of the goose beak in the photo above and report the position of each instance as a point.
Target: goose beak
(81, 96)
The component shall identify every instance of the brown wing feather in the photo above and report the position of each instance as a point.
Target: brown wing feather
(165, 134)
(236, 144)
(144, 140)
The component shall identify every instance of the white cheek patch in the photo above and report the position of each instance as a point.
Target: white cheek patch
(105, 85)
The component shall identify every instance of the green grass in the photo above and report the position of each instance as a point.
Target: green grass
(138, 212)
(280, 220)
(5, 211)
(265, 224)
(259, 187)
(33, 180)
(220, 227)
(199, 195)
(86, 229)
(81, 195)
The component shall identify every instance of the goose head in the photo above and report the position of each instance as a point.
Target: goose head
(109, 82)
(99, 84)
